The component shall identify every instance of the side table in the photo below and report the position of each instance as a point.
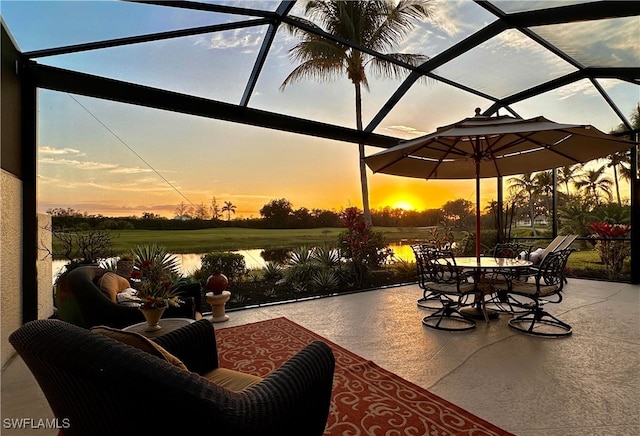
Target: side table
(167, 324)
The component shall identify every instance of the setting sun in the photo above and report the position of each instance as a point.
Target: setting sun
(403, 204)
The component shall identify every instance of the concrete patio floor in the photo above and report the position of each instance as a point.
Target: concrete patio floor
(585, 384)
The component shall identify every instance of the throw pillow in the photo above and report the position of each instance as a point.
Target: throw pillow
(140, 342)
(111, 283)
(128, 298)
(536, 256)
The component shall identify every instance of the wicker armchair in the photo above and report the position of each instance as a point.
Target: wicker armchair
(80, 301)
(101, 386)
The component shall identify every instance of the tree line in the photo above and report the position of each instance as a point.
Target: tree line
(276, 214)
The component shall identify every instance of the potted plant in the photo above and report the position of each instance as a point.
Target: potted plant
(154, 288)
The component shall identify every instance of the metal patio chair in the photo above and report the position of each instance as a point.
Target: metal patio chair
(501, 301)
(429, 300)
(543, 284)
(441, 279)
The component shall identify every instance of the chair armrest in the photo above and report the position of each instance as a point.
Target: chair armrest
(295, 398)
(194, 344)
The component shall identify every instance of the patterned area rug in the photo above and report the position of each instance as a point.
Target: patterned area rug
(366, 399)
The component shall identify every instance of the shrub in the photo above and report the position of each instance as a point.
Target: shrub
(404, 269)
(231, 265)
(300, 267)
(272, 271)
(325, 279)
(82, 247)
(364, 248)
(612, 250)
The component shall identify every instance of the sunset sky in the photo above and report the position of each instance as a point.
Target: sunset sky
(118, 160)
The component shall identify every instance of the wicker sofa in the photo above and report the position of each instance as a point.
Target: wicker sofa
(80, 301)
(97, 385)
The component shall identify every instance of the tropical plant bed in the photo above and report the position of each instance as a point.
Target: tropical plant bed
(264, 292)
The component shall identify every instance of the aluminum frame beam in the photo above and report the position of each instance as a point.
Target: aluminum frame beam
(62, 80)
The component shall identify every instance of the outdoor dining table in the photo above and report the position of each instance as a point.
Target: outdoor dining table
(480, 267)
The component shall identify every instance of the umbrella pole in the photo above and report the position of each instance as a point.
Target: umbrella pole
(478, 244)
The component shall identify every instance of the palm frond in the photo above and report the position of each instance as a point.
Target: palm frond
(384, 68)
(313, 70)
(326, 279)
(300, 256)
(327, 257)
(397, 22)
(158, 255)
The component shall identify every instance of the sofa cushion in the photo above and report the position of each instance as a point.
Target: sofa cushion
(232, 380)
(111, 284)
(140, 342)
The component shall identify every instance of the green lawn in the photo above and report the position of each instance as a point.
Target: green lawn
(232, 238)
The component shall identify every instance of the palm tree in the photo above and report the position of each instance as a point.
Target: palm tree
(543, 181)
(619, 161)
(377, 25)
(229, 208)
(635, 117)
(525, 186)
(595, 183)
(567, 175)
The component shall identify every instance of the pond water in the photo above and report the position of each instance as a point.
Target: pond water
(254, 259)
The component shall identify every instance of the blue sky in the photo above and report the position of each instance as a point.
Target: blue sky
(116, 159)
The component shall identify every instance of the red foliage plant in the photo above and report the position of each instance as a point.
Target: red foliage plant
(610, 231)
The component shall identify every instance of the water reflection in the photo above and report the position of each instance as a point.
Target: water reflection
(254, 259)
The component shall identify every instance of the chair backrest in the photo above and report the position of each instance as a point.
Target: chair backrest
(567, 241)
(440, 273)
(551, 269)
(553, 245)
(422, 253)
(513, 250)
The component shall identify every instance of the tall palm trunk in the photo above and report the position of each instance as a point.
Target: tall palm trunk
(363, 168)
(532, 213)
(615, 177)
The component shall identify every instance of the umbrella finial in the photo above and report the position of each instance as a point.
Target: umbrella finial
(478, 112)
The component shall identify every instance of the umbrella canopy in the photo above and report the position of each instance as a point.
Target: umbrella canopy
(482, 147)
(497, 146)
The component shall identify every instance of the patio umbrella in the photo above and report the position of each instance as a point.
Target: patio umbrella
(484, 147)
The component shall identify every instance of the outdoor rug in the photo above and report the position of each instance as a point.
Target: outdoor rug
(366, 399)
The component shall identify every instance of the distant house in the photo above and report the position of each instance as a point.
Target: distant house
(182, 217)
(542, 220)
